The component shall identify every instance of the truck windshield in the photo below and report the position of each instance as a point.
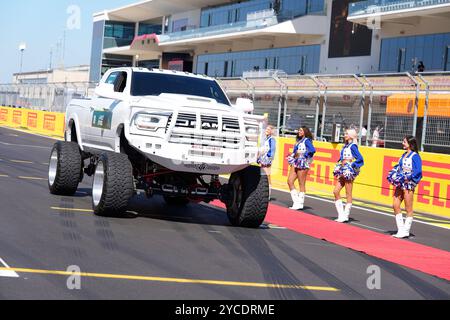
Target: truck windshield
(154, 84)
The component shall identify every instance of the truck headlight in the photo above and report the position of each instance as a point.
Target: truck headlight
(151, 121)
(252, 130)
(252, 133)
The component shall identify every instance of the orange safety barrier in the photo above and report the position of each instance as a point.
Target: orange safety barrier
(403, 104)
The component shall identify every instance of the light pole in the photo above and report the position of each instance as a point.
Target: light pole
(51, 58)
(22, 48)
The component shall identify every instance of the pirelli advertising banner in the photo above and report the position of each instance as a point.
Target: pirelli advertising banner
(46, 123)
(432, 194)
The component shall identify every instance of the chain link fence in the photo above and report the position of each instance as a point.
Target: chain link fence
(48, 97)
(436, 116)
(383, 108)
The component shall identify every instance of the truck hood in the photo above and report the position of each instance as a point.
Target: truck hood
(174, 102)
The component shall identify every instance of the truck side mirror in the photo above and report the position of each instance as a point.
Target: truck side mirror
(245, 105)
(106, 90)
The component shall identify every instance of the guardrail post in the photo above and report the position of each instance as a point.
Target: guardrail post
(281, 104)
(416, 103)
(363, 105)
(369, 118)
(425, 112)
(319, 96)
(325, 101)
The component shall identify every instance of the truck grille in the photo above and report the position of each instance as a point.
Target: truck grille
(186, 120)
(169, 122)
(205, 140)
(208, 133)
(230, 125)
(209, 122)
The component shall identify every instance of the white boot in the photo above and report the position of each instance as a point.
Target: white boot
(301, 200)
(403, 228)
(295, 199)
(340, 210)
(400, 225)
(346, 215)
(408, 224)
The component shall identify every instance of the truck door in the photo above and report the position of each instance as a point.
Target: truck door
(102, 129)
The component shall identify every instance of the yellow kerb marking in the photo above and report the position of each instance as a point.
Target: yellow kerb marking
(32, 178)
(22, 161)
(71, 209)
(173, 280)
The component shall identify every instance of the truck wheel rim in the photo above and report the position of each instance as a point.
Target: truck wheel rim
(97, 188)
(53, 167)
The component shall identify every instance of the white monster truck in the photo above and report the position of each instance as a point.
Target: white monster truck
(162, 132)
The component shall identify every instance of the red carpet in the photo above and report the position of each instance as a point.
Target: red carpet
(406, 253)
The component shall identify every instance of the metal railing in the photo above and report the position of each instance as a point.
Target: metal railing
(390, 106)
(52, 97)
(383, 6)
(256, 20)
(387, 106)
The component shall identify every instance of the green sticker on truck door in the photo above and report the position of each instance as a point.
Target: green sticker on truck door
(102, 119)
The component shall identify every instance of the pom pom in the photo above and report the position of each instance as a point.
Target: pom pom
(348, 172)
(264, 161)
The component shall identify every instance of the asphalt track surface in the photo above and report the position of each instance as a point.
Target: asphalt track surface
(167, 252)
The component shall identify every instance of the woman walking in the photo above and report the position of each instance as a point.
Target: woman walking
(300, 161)
(346, 171)
(405, 176)
(267, 154)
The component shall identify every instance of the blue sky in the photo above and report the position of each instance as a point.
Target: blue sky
(40, 24)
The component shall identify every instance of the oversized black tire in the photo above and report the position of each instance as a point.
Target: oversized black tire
(113, 185)
(176, 201)
(249, 198)
(65, 168)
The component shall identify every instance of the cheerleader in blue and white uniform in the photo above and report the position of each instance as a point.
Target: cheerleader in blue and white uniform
(405, 176)
(267, 154)
(300, 161)
(346, 171)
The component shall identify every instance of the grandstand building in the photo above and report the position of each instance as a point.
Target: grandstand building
(226, 38)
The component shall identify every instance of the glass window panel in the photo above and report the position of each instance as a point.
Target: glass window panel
(437, 58)
(438, 40)
(428, 40)
(419, 41)
(447, 39)
(427, 56)
(410, 42)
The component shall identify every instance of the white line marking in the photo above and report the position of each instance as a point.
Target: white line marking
(32, 133)
(21, 161)
(7, 273)
(272, 226)
(363, 225)
(378, 212)
(23, 145)
(31, 178)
